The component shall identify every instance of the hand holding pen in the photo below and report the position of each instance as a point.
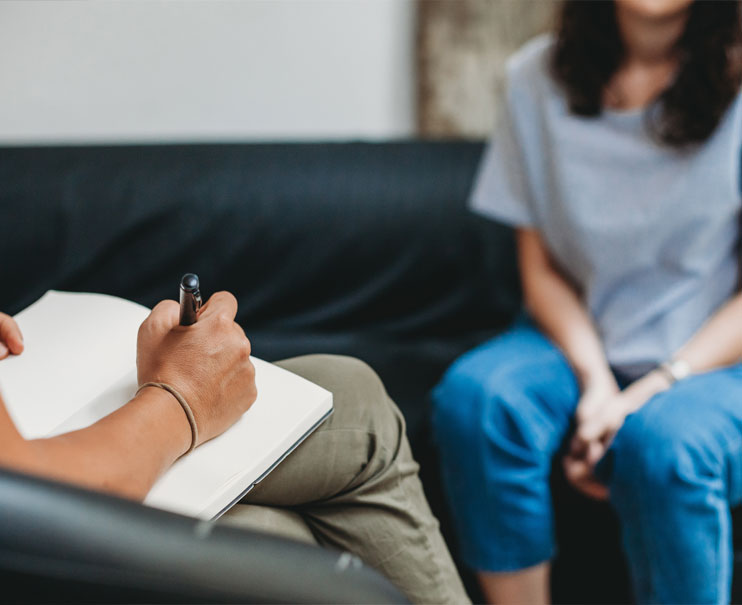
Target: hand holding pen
(206, 363)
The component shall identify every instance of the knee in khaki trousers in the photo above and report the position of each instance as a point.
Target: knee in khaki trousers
(355, 485)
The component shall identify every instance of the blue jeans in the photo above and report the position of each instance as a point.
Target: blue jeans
(503, 410)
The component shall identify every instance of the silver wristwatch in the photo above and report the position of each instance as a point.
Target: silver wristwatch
(675, 370)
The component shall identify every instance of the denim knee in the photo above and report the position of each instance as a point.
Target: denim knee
(499, 411)
(457, 401)
(657, 453)
(499, 415)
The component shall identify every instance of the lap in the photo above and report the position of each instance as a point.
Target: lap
(278, 521)
(335, 457)
(701, 409)
(518, 382)
(359, 397)
(516, 353)
(355, 483)
(693, 427)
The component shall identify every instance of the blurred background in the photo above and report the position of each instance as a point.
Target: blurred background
(217, 70)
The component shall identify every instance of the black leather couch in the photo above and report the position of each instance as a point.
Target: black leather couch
(359, 249)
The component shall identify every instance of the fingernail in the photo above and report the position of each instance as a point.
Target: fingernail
(3, 350)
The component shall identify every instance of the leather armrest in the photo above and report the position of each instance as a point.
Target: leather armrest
(60, 543)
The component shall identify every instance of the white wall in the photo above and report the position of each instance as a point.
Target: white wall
(144, 70)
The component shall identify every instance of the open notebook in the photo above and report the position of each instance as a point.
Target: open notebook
(79, 365)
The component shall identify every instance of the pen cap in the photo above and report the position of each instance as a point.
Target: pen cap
(189, 282)
(190, 299)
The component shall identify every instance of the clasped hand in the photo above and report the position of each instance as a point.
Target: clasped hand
(600, 414)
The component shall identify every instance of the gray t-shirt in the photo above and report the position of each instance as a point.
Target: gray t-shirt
(647, 234)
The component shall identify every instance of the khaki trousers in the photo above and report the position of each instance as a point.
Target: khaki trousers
(355, 487)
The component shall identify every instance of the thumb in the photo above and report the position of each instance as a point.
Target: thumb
(595, 453)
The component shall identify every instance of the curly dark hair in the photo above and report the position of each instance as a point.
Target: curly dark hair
(589, 50)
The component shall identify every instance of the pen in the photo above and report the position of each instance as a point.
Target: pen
(190, 299)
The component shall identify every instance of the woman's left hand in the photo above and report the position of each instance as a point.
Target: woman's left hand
(595, 434)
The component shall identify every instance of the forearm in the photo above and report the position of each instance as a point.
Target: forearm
(556, 307)
(719, 341)
(124, 453)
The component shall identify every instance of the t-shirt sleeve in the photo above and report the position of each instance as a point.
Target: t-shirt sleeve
(500, 189)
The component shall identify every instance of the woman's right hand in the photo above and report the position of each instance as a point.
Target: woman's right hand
(599, 390)
(208, 363)
(596, 391)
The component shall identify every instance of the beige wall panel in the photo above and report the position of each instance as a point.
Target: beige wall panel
(461, 52)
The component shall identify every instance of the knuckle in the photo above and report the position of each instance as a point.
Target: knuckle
(163, 310)
(170, 306)
(244, 353)
(159, 307)
(145, 326)
(223, 321)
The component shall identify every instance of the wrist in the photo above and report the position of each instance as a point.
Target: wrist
(645, 388)
(169, 417)
(598, 379)
(675, 370)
